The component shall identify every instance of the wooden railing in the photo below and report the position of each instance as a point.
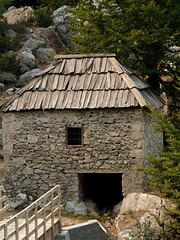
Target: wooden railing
(36, 220)
(3, 209)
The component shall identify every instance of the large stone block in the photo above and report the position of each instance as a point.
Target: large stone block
(91, 230)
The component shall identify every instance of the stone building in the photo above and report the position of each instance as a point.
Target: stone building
(82, 123)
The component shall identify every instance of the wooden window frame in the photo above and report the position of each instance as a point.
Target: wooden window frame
(79, 127)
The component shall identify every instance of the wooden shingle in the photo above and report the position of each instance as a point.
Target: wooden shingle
(81, 82)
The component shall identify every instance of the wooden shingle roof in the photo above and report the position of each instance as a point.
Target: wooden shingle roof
(83, 82)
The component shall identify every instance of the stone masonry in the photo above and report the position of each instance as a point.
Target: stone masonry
(37, 156)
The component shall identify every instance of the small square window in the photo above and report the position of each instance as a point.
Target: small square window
(74, 136)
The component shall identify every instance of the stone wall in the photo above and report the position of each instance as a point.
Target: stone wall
(37, 156)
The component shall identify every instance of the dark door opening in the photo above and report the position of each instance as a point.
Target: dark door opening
(105, 189)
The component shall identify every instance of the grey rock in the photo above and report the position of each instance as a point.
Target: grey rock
(11, 8)
(44, 187)
(116, 209)
(92, 207)
(22, 196)
(30, 44)
(10, 33)
(11, 91)
(7, 78)
(60, 16)
(27, 77)
(45, 54)
(23, 68)
(1, 87)
(78, 208)
(91, 230)
(28, 60)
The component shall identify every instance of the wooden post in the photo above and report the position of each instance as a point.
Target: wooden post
(59, 208)
(27, 224)
(52, 215)
(1, 215)
(36, 221)
(16, 228)
(5, 232)
(44, 217)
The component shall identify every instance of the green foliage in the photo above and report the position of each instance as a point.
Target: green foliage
(42, 18)
(4, 4)
(140, 32)
(6, 42)
(8, 63)
(165, 170)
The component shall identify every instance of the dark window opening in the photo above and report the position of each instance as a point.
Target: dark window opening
(74, 136)
(105, 189)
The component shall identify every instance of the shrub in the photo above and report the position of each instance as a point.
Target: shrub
(42, 18)
(8, 63)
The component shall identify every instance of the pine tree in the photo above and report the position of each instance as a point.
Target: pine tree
(164, 171)
(142, 33)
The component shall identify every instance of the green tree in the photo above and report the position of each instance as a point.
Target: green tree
(165, 170)
(142, 33)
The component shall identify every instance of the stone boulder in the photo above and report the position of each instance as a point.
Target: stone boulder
(146, 207)
(28, 60)
(27, 77)
(78, 208)
(45, 55)
(10, 33)
(15, 16)
(7, 77)
(30, 45)
(61, 21)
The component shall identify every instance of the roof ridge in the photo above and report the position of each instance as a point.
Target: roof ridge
(85, 55)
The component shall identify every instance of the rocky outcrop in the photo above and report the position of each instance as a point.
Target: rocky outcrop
(61, 21)
(27, 77)
(146, 208)
(15, 16)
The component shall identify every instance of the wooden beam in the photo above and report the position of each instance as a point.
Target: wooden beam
(84, 56)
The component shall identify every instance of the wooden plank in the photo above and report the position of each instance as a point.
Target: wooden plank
(116, 65)
(71, 82)
(62, 66)
(54, 99)
(113, 80)
(2, 199)
(103, 66)
(59, 209)
(66, 82)
(5, 232)
(65, 100)
(89, 65)
(39, 100)
(50, 80)
(138, 97)
(52, 216)
(55, 82)
(44, 218)
(108, 81)
(27, 224)
(84, 56)
(60, 101)
(79, 64)
(4, 209)
(46, 100)
(16, 228)
(97, 63)
(83, 97)
(36, 85)
(74, 99)
(94, 97)
(71, 65)
(36, 221)
(78, 99)
(119, 98)
(88, 81)
(113, 98)
(70, 99)
(88, 98)
(1, 189)
(43, 82)
(61, 82)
